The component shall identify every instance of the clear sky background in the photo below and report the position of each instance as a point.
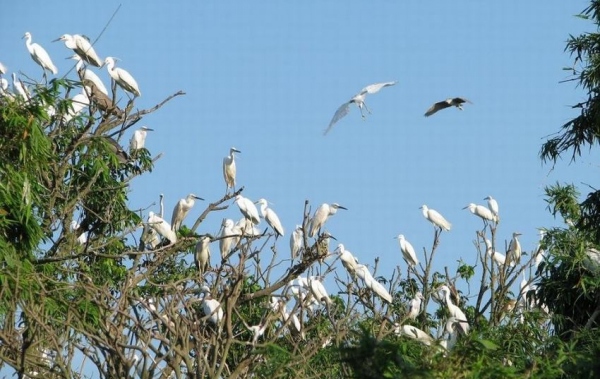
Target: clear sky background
(267, 76)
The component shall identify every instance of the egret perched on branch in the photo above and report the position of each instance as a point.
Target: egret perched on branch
(359, 100)
(499, 258)
(182, 209)
(211, 307)
(414, 333)
(539, 251)
(414, 306)
(39, 55)
(248, 209)
(226, 242)
(229, 169)
(162, 227)
(481, 211)
(456, 102)
(122, 77)
(83, 237)
(2, 69)
(321, 215)
(271, 217)
(149, 235)
(318, 290)
(408, 251)
(82, 47)
(88, 74)
(139, 138)
(435, 218)
(78, 103)
(19, 88)
(349, 261)
(202, 254)
(370, 282)
(493, 206)
(296, 241)
(455, 311)
(514, 249)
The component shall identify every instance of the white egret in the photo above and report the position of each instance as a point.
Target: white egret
(4, 88)
(524, 290)
(257, 331)
(455, 311)
(248, 209)
(414, 306)
(435, 218)
(19, 88)
(592, 260)
(455, 101)
(149, 235)
(78, 103)
(408, 251)
(226, 242)
(349, 261)
(161, 227)
(122, 77)
(370, 282)
(229, 169)
(481, 211)
(181, 210)
(202, 254)
(211, 307)
(359, 100)
(83, 237)
(539, 251)
(271, 217)
(39, 55)
(82, 47)
(499, 258)
(321, 215)
(2, 69)
(514, 249)
(88, 74)
(318, 289)
(243, 226)
(493, 206)
(138, 139)
(414, 333)
(296, 241)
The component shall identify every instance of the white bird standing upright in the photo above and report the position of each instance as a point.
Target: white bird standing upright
(370, 282)
(321, 215)
(226, 243)
(202, 254)
(408, 251)
(493, 206)
(414, 306)
(161, 227)
(88, 74)
(317, 289)
(19, 88)
(455, 311)
(514, 249)
(349, 261)
(271, 217)
(435, 218)
(82, 47)
(248, 209)
(39, 55)
(229, 169)
(122, 77)
(149, 235)
(296, 241)
(182, 209)
(211, 307)
(4, 88)
(481, 211)
(138, 139)
(359, 100)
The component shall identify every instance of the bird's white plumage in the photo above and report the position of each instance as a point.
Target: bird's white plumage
(161, 227)
(138, 139)
(182, 208)
(211, 307)
(370, 282)
(248, 209)
(296, 241)
(2, 69)
(317, 289)
(514, 249)
(415, 333)
(321, 215)
(202, 254)
(39, 55)
(493, 206)
(88, 74)
(227, 243)
(229, 169)
(435, 218)
(82, 47)
(408, 251)
(349, 261)
(19, 88)
(122, 77)
(414, 306)
(481, 211)
(78, 103)
(271, 217)
(455, 311)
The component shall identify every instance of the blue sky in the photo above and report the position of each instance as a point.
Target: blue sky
(266, 77)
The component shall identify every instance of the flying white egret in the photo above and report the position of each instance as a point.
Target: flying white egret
(481, 211)
(370, 282)
(226, 242)
(139, 138)
(414, 306)
(82, 47)
(321, 215)
(453, 101)
(162, 227)
(514, 249)
(229, 169)
(455, 311)
(435, 218)
(296, 241)
(202, 254)
(317, 289)
(122, 77)
(211, 307)
(248, 209)
(88, 74)
(414, 333)
(493, 206)
(181, 210)
(408, 251)
(349, 261)
(271, 217)
(78, 103)
(19, 88)
(39, 55)
(359, 100)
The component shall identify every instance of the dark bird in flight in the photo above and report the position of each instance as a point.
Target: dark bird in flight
(456, 102)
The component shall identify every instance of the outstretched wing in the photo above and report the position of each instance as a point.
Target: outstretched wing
(374, 88)
(461, 100)
(341, 112)
(436, 107)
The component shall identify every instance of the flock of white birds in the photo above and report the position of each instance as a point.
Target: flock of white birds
(308, 290)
